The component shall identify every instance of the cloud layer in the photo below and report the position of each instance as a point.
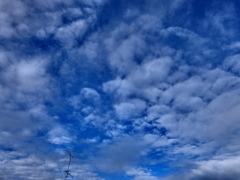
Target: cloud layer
(142, 90)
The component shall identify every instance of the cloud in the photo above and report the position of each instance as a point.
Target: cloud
(133, 108)
(151, 72)
(42, 166)
(188, 100)
(122, 87)
(218, 168)
(125, 85)
(141, 174)
(120, 155)
(215, 20)
(30, 167)
(90, 94)
(231, 63)
(29, 76)
(122, 58)
(69, 35)
(87, 96)
(233, 46)
(8, 16)
(84, 171)
(28, 88)
(59, 136)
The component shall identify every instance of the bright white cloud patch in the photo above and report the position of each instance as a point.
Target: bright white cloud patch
(132, 108)
(59, 136)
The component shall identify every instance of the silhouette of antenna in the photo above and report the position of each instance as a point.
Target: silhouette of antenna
(69, 162)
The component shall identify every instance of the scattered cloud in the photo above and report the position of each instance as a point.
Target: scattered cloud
(126, 86)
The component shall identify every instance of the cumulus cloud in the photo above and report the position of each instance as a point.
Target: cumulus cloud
(28, 87)
(232, 63)
(141, 174)
(69, 35)
(126, 85)
(58, 135)
(217, 168)
(187, 100)
(87, 96)
(30, 167)
(133, 108)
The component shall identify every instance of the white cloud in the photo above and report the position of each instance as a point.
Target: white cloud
(226, 168)
(151, 72)
(59, 135)
(180, 102)
(138, 81)
(232, 63)
(84, 171)
(90, 94)
(37, 166)
(122, 58)
(219, 168)
(70, 34)
(155, 111)
(87, 97)
(234, 46)
(27, 75)
(120, 155)
(141, 174)
(93, 2)
(132, 108)
(183, 33)
(8, 16)
(30, 167)
(122, 88)
(157, 140)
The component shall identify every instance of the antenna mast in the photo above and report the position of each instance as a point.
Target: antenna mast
(69, 162)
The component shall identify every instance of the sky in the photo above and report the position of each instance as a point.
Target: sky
(134, 89)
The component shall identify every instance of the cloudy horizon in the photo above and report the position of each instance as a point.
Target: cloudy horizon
(135, 90)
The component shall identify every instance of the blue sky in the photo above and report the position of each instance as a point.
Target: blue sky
(135, 89)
